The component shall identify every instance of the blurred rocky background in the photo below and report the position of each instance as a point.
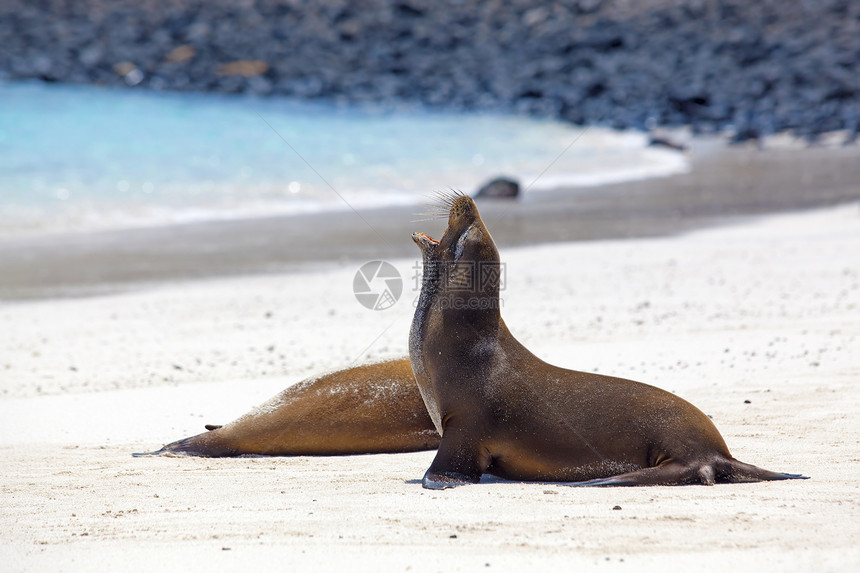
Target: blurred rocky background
(748, 67)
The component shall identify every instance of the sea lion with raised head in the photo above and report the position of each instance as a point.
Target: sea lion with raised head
(501, 410)
(366, 409)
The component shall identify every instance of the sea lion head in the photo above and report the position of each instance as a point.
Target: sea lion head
(461, 269)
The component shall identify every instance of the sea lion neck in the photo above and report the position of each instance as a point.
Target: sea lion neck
(460, 288)
(458, 307)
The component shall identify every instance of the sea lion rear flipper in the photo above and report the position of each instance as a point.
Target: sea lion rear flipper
(206, 445)
(667, 473)
(211, 427)
(675, 473)
(735, 471)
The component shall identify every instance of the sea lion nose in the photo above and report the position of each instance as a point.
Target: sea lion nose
(423, 241)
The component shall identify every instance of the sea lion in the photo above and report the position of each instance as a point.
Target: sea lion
(367, 409)
(503, 411)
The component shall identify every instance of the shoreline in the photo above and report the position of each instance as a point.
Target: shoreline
(724, 184)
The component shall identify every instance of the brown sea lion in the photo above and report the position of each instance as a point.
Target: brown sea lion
(503, 411)
(367, 409)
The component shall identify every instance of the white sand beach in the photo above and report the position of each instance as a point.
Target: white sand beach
(757, 324)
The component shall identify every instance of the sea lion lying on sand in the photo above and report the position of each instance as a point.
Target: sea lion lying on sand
(367, 409)
(497, 407)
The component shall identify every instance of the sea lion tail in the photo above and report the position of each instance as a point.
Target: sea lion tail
(205, 445)
(735, 471)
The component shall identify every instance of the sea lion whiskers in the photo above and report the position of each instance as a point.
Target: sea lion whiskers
(433, 212)
(435, 209)
(453, 194)
(435, 205)
(442, 204)
(446, 198)
(440, 194)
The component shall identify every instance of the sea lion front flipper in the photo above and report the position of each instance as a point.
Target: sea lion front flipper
(445, 480)
(458, 461)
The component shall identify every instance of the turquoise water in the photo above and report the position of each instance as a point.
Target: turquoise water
(84, 158)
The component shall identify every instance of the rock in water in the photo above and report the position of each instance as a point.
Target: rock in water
(499, 188)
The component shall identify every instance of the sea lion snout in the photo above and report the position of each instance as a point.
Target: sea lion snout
(424, 242)
(464, 245)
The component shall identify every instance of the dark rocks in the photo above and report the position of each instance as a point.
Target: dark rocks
(499, 188)
(756, 67)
